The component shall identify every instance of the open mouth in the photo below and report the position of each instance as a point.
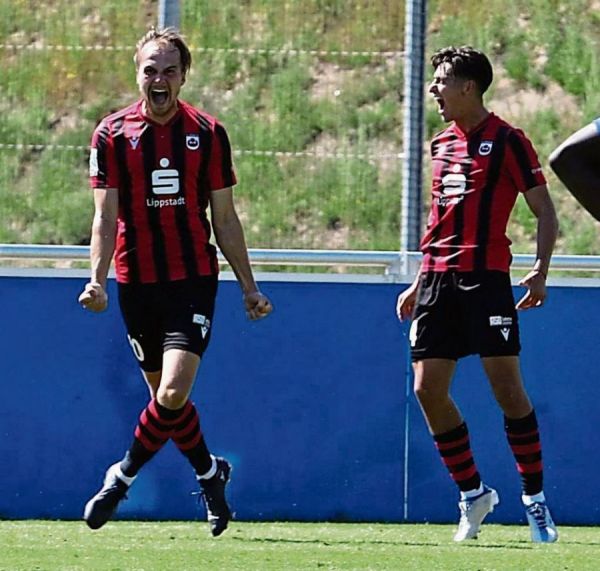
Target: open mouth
(440, 103)
(159, 96)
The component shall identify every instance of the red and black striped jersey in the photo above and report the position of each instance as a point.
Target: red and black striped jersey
(164, 175)
(476, 180)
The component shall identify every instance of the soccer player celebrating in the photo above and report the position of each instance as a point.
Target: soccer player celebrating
(576, 164)
(155, 166)
(461, 301)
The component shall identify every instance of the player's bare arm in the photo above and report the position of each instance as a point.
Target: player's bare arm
(230, 238)
(539, 201)
(102, 247)
(406, 300)
(575, 162)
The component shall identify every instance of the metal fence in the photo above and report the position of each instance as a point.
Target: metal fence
(393, 266)
(310, 93)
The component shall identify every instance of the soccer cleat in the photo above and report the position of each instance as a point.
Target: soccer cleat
(218, 513)
(473, 512)
(543, 529)
(103, 505)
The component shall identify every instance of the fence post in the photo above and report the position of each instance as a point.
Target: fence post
(168, 14)
(412, 168)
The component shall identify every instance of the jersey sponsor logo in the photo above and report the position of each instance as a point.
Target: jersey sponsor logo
(204, 323)
(192, 142)
(485, 148)
(165, 180)
(160, 202)
(454, 186)
(94, 162)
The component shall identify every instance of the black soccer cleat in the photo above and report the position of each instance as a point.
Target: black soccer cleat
(103, 505)
(218, 513)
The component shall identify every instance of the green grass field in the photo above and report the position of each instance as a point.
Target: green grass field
(137, 546)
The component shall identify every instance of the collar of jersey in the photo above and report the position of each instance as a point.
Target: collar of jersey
(474, 130)
(140, 112)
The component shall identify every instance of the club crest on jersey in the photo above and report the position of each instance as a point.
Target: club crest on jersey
(485, 148)
(192, 142)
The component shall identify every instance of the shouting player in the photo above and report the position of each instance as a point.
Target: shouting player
(461, 301)
(155, 167)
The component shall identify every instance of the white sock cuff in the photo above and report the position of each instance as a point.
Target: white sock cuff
(211, 472)
(472, 493)
(536, 498)
(125, 479)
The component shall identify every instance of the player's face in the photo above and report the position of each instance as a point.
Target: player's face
(448, 92)
(159, 78)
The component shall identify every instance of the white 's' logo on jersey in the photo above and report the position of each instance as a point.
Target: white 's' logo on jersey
(165, 180)
(454, 184)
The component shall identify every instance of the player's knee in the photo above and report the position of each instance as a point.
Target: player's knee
(171, 397)
(427, 393)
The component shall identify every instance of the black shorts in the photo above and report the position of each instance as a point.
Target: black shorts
(172, 315)
(464, 313)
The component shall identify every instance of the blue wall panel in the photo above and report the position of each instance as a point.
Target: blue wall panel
(309, 405)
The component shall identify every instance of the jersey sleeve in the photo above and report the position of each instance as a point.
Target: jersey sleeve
(103, 169)
(522, 162)
(220, 169)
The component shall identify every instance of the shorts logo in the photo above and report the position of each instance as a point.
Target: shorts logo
(499, 321)
(505, 332)
(485, 148)
(204, 323)
(192, 142)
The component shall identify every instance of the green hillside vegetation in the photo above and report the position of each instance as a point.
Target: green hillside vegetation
(310, 107)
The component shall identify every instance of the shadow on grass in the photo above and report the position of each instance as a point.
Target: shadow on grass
(515, 545)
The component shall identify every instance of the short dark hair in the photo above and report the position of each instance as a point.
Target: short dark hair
(165, 36)
(467, 63)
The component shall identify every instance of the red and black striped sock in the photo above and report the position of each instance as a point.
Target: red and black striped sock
(455, 449)
(154, 428)
(188, 437)
(524, 440)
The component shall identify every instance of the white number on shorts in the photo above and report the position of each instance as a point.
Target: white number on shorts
(136, 347)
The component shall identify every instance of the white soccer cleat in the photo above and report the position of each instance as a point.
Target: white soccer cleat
(473, 512)
(541, 525)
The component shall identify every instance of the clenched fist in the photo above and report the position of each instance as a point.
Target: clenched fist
(93, 297)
